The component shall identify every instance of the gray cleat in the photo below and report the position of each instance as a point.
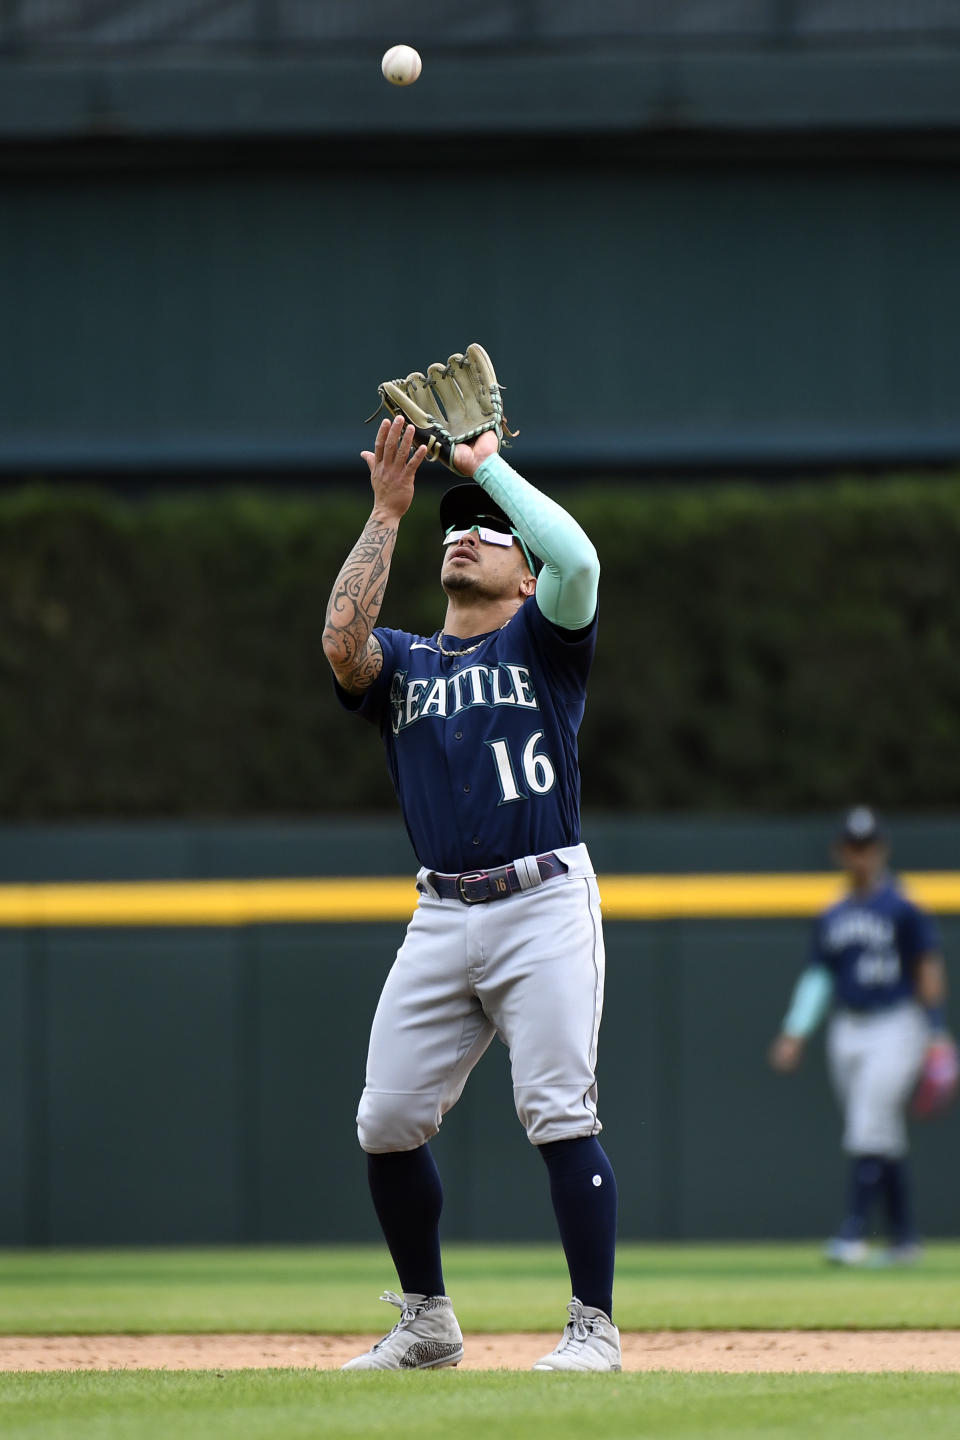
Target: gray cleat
(426, 1337)
(590, 1341)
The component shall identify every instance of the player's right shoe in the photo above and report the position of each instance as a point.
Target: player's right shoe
(590, 1341)
(426, 1337)
(846, 1252)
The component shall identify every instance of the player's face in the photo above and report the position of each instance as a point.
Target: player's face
(864, 864)
(490, 566)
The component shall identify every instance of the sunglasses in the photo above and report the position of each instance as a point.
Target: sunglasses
(490, 537)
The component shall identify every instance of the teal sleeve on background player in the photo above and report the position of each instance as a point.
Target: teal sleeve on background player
(809, 1003)
(567, 584)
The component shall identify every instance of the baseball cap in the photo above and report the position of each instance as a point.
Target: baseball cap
(469, 504)
(860, 827)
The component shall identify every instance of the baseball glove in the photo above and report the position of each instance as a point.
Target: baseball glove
(939, 1079)
(451, 404)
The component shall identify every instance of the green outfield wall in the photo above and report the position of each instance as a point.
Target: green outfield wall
(737, 224)
(179, 1072)
(738, 315)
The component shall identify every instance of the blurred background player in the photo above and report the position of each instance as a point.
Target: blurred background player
(876, 964)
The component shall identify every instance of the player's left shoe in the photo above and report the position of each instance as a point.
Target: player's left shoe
(908, 1252)
(590, 1341)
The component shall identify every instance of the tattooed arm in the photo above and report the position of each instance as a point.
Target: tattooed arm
(354, 606)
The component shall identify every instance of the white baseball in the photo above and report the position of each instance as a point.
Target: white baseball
(401, 65)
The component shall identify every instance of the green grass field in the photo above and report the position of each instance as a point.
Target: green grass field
(303, 1405)
(496, 1288)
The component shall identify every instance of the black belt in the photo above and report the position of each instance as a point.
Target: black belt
(473, 887)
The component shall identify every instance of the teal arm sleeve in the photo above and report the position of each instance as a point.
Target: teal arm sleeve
(810, 1002)
(567, 584)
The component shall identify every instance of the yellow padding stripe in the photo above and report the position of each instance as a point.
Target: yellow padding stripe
(352, 900)
(207, 902)
(677, 897)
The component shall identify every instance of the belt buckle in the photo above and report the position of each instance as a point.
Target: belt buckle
(463, 879)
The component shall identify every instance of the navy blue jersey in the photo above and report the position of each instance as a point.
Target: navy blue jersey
(482, 748)
(871, 945)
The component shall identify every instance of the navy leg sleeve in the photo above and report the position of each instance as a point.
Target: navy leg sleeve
(584, 1194)
(408, 1198)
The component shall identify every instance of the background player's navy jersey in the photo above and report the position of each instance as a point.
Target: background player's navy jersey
(872, 945)
(482, 748)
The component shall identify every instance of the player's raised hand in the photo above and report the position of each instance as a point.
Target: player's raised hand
(394, 462)
(467, 457)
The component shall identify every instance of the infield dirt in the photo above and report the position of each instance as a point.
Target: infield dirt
(733, 1351)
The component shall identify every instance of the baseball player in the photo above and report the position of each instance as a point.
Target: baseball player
(479, 723)
(875, 963)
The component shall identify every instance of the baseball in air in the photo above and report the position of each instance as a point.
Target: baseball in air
(401, 65)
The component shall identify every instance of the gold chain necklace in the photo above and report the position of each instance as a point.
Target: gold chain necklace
(454, 654)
